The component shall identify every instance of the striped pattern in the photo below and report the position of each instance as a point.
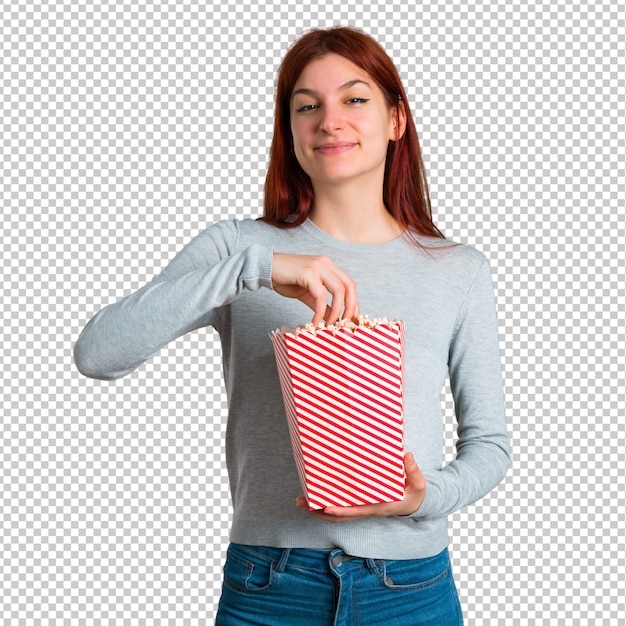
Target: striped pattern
(343, 397)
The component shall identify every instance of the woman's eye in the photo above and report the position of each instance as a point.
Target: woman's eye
(358, 100)
(305, 108)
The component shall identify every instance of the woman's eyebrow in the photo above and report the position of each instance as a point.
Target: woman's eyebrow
(312, 92)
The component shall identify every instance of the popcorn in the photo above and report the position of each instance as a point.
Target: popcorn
(363, 321)
(342, 388)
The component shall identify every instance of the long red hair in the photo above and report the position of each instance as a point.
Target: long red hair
(288, 189)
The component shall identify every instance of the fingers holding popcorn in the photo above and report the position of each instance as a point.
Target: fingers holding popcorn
(312, 280)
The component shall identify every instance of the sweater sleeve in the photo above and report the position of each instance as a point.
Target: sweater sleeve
(482, 449)
(210, 272)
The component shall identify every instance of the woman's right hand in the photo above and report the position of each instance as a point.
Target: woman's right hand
(311, 279)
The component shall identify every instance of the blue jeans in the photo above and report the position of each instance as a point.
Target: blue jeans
(283, 587)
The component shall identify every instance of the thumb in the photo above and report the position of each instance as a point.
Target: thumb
(414, 477)
(409, 462)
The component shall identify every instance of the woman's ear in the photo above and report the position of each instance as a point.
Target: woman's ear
(399, 121)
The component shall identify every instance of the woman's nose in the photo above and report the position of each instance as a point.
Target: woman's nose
(331, 119)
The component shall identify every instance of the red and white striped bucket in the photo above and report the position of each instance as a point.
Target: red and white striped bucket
(342, 387)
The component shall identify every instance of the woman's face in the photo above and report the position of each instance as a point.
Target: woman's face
(340, 122)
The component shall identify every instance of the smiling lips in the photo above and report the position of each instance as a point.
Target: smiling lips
(335, 148)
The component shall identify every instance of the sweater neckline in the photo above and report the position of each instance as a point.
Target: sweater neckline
(315, 231)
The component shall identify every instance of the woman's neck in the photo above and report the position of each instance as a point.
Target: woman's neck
(353, 216)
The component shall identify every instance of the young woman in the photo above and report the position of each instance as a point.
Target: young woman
(347, 229)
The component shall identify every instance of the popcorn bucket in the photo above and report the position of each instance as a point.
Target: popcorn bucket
(342, 389)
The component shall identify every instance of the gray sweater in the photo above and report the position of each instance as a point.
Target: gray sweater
(222, 278)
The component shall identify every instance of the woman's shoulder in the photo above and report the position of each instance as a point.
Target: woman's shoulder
(450, 251)
(451, 265)
(256, 230)
(250, 226)
(255, 227)
(237, 231)
(218, 240)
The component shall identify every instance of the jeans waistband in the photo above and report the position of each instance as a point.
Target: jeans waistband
(305, 558)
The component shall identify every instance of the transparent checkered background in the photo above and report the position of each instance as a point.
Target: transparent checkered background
(129, 127)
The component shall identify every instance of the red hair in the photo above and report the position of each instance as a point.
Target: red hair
(288, 189)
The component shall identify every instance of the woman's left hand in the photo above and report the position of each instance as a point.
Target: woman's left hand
(414, 495)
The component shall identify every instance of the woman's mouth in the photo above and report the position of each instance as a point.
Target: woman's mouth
(329, 149)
